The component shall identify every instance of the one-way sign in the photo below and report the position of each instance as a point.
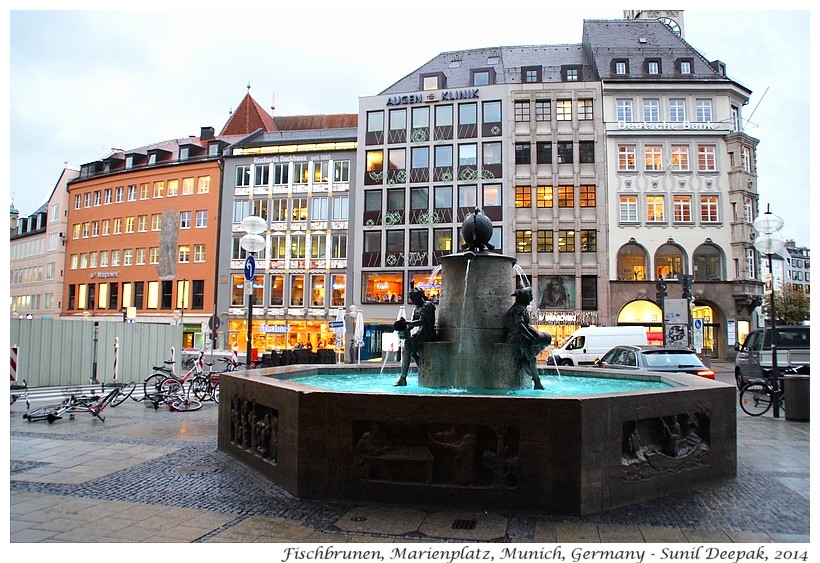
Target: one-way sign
(336, 324)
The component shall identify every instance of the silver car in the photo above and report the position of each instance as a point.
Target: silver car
(669, 359)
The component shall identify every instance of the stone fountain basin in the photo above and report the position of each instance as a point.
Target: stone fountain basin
(574, 455)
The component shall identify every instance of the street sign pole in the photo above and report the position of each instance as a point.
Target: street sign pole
(250, 270)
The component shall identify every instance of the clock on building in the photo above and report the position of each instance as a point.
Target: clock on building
(673, 25)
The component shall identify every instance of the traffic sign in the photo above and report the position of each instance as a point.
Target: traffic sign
(336, 324)
(250, 267)
(213, 322)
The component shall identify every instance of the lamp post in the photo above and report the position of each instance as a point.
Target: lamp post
(251, 242)
(768, 242)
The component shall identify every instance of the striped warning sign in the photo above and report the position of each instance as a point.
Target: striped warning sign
(14, 351)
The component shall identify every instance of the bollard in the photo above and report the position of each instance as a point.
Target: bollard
(116, 353)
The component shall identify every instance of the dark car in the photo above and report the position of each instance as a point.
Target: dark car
(669, 359)
(754, 357)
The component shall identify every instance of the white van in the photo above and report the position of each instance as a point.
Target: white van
(588, 344)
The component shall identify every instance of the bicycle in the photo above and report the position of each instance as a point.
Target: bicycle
(152, 385)
(205, 387)
(92, 404)
(758, 396)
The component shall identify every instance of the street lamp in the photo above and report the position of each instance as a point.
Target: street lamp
(769, 242)
(251, 242)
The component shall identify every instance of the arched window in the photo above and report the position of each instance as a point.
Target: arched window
(708, 263)
(632, 262)
(669, 261)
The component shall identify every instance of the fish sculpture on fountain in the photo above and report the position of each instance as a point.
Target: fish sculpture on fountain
(477, 230)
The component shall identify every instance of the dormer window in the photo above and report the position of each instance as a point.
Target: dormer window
(152, 158)
(184, 153)
(653, 66)
(213, 149)
(482, 77)
(129, 162)
(570, 73)
(620, 67)
(530, 74)
(493, 59)
(434, 81)
(455, 63)
(685, 66)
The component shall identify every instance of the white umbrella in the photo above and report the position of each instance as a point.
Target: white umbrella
(358, 333)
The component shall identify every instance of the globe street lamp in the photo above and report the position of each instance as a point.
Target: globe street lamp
(251, 242)
(769, 242)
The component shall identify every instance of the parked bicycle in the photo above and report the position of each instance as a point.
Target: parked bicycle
(205, 387)
(164, 386)
(758, 396)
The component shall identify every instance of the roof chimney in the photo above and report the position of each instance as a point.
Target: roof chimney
(206, 133)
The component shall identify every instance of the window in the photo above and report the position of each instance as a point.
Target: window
(544, 241)
(203, 184)
(543, 110)
(626, 157)
(571, 74)
(651, 110)
(564, 152)
(156, 222)
(709, 209)
(299, 209)
(185, 220)
(543, 152)
(623, 109)
(586, 196)
(628, 208)
(677, 110)
(341, 171)
(142, 223)
(153, 255)
(115, 257)
(87, 199)
(530, 74)
(467, 155)
(145, 191)
(566, 196)
(620, 67)
(128, 257)
(522, 111)
(375, 121)
(543, 197)
(261, 175)
(654, 208)
(95, 228)
(338, 246)
(566, 241)
(703, 110)
(586, 152)
(480, 77)
(375, 162)
(443, 156)
(129, 224)
(523, 196)
(132, 193)
(685, 67)
(706, 158)
(159, 189)
(682, 209)
(653, 158)
(117, 225)
(563, 110)
(339, 210)
(97, 198)
(318, 209)
(522, 153)
(746, 159)
(430, 82)
(318, 245)
(188, 185)
(184, 254)
(199, 253)
(523, 241)
(78, 201)
(584, 110)
(491, 112)
(589, 240)
(467, 114)
(680, 157)
(106, 227)
(173, 188)
(201, 219)
(108, 196)
(467, 196)
(653, 66)
(118, 194)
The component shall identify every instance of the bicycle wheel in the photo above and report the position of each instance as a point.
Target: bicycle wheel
(755, 399)
(43, 413)
(151, 385)
(182, 404)
(125, 392)
(215, 392)
(199, 388)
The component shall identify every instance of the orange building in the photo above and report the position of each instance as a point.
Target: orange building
(142, 238)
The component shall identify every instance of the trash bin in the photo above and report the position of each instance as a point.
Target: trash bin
(707, 360)
(796, 388)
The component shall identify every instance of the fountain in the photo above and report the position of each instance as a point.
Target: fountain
(494, 441)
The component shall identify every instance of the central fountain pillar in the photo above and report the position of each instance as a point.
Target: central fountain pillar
(471, 351)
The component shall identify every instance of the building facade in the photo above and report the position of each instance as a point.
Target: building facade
(37, 255)
(606, 168)
(142, 235)
(295, 173)
(798, 262)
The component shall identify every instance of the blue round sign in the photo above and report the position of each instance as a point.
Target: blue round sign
(250, 267)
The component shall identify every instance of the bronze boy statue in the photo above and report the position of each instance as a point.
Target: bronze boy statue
(527, 341)
(415, 332)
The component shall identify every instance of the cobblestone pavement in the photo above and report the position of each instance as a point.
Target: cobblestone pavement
(149, 476)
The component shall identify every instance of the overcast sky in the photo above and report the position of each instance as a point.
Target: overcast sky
(83, 82)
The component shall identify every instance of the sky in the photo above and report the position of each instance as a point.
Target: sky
(85, 81)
